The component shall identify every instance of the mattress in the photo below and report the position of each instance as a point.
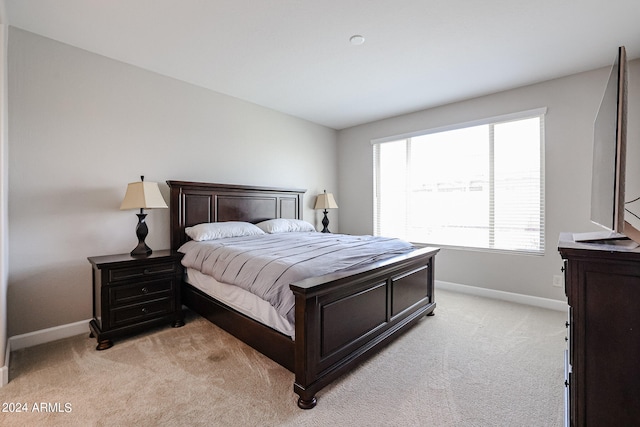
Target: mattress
(266, 265)
(240, 300)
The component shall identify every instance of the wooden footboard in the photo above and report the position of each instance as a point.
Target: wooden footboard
(342, 318)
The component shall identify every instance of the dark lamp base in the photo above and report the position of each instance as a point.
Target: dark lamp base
(325, 222)
(141, 231)
(141, 250)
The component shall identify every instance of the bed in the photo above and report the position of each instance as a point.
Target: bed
(340, 318)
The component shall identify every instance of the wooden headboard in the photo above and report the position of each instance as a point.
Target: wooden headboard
(192, 203)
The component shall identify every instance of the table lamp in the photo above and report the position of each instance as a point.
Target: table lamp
(142, 195)
(325, 201)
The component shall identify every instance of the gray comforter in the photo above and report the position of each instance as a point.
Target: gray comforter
(265, 265)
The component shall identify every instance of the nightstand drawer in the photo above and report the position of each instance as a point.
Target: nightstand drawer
(141, 312)
(138, 272)
(141, 291)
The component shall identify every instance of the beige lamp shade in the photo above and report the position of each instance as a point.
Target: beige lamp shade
(143, 195)
(325, 201)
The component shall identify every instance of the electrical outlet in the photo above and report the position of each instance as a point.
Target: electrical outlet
(557, 281)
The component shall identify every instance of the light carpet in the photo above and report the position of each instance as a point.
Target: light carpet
(477, 362)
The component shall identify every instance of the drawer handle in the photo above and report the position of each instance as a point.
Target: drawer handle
(145, 290)
(144, 310)
(146, 271)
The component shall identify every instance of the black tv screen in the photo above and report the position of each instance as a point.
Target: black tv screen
(609, 151)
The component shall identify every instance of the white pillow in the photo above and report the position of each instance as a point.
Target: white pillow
(282, 225)
(220, 230)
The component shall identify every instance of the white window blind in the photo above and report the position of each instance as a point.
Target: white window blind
(476, 185)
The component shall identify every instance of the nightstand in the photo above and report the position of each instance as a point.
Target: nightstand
(131, 294)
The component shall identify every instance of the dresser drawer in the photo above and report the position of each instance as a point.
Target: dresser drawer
(140, 312)
(141, 291)
(142, 271)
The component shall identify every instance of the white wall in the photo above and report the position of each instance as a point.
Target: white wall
(572, 105)
(82, 126)
(4, 189)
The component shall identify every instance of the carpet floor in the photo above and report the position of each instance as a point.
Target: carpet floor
(477, 362)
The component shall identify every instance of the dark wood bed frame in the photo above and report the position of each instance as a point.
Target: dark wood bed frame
(340, 318)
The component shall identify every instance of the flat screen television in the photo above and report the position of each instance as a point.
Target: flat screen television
(609, 162)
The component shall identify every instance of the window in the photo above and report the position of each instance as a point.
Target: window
(477, 185)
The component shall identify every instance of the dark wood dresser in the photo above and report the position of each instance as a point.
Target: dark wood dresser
(131, 294)
(602, 284)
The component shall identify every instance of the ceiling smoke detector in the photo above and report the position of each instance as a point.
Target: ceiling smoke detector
(356, 40)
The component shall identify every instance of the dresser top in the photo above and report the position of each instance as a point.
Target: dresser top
(568, 247)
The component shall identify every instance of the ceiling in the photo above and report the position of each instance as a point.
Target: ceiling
(294, 56)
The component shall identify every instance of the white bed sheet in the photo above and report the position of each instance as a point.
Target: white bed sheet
(240, 300)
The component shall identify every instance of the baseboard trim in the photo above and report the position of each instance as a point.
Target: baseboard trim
(47, 335)
(4, 371)
(551, 304)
